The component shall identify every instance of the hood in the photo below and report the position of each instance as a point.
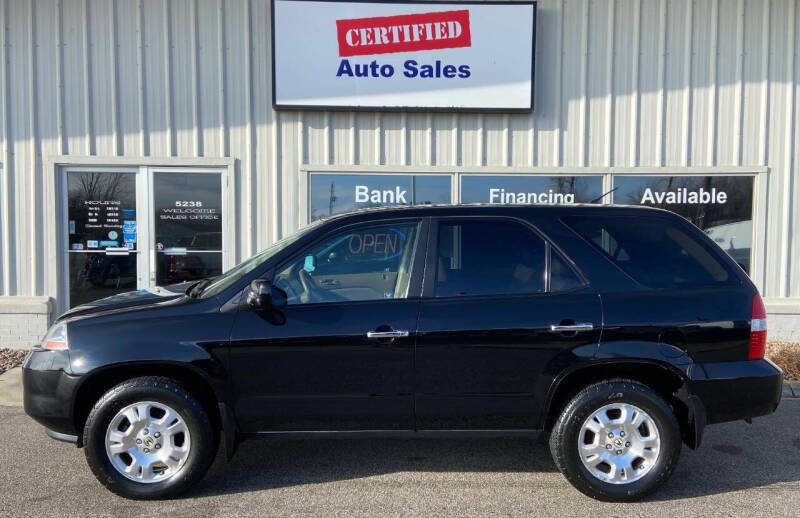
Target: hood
(129, 299)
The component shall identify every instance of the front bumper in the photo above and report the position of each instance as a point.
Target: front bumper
(49, 390)
(730, 391)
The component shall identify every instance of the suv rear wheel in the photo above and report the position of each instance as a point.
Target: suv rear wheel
(616, 440)
(149, 438)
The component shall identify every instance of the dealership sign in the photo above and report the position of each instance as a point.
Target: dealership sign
(382, 55)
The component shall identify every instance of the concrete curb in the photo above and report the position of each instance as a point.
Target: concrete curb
(11, 387)
(791, 389)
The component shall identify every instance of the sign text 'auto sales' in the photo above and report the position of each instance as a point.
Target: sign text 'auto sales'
(403, 54)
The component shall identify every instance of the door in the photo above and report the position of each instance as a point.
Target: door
(340, 355)
(103, 248)
(187, 226)
(138, 228)
(493, 290)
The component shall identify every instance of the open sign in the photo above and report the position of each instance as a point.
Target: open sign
(388, 243)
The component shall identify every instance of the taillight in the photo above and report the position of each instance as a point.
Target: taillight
(758, 329)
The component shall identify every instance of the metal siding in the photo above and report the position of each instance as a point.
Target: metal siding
(626, 83)
(794, 137)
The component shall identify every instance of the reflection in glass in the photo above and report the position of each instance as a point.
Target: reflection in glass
(721, 206)
(332, 194)
(188, 226)
(96, 275)
(528, 189)
(101, 210)
(177, 266)
(365, 263)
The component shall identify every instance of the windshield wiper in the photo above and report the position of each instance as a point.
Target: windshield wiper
(197, 288)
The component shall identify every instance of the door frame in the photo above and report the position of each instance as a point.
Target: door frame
(57, 226)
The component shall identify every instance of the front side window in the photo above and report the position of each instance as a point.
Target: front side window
(489, 258)
(364, 263)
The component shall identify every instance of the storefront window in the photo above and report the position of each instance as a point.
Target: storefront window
(332, 194)
(188, 226)
(721, 206)
(527, 189)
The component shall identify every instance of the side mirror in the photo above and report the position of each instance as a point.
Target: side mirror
(263, 295)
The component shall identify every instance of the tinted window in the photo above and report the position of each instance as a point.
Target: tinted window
(654, 251)
(721, 206)
(562, 276)
(365, 263)
(488, 258)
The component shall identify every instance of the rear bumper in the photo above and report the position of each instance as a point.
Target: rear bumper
(730, 391)
(49, 390)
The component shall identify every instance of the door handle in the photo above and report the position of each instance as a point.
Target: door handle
(559, 328)
(328, 283)
(387, 334)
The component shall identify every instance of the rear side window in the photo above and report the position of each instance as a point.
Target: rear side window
(497, 257)
(479, 257)
(656, 252)
(562, 277)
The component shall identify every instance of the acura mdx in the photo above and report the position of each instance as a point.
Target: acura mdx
(620, 332)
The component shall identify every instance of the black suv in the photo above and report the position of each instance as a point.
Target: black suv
(619, 331)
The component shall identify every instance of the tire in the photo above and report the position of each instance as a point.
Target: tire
(634, 479)
(190, 439)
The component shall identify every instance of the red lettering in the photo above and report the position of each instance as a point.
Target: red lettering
(403, 33)
(355, 251)
(391, 241)
(369, 241)
(380, 244)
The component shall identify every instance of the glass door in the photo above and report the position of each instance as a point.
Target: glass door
(187, 226)
(102, 243)
(138, 228)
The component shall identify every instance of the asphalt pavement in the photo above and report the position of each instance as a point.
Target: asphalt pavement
(741, 470)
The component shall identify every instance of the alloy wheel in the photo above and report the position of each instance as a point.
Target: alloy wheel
(148, 442)
(619, 443)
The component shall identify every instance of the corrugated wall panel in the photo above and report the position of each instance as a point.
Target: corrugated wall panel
(778, 126)
(794, 138)
(102, 76)
(48, 107)
(728, 80)
(183, 77)
(618, 83)
(651, 82)
(599, 68)
(157, 102)
(21, 148)
(128, 70)
(703, 92)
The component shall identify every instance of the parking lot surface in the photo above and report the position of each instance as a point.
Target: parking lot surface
(741, 470)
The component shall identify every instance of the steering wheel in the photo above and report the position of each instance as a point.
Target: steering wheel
(314, 292)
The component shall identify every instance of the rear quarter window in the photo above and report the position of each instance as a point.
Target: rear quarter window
(654, 251)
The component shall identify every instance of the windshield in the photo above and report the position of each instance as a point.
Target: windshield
(233, 275)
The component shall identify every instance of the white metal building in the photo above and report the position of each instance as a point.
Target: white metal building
(168, 106)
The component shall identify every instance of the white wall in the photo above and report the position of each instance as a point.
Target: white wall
(619, 83)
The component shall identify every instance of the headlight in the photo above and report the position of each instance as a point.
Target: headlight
(56, 338)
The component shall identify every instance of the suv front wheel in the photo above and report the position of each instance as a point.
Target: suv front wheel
(149, 438)
(616, 440)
